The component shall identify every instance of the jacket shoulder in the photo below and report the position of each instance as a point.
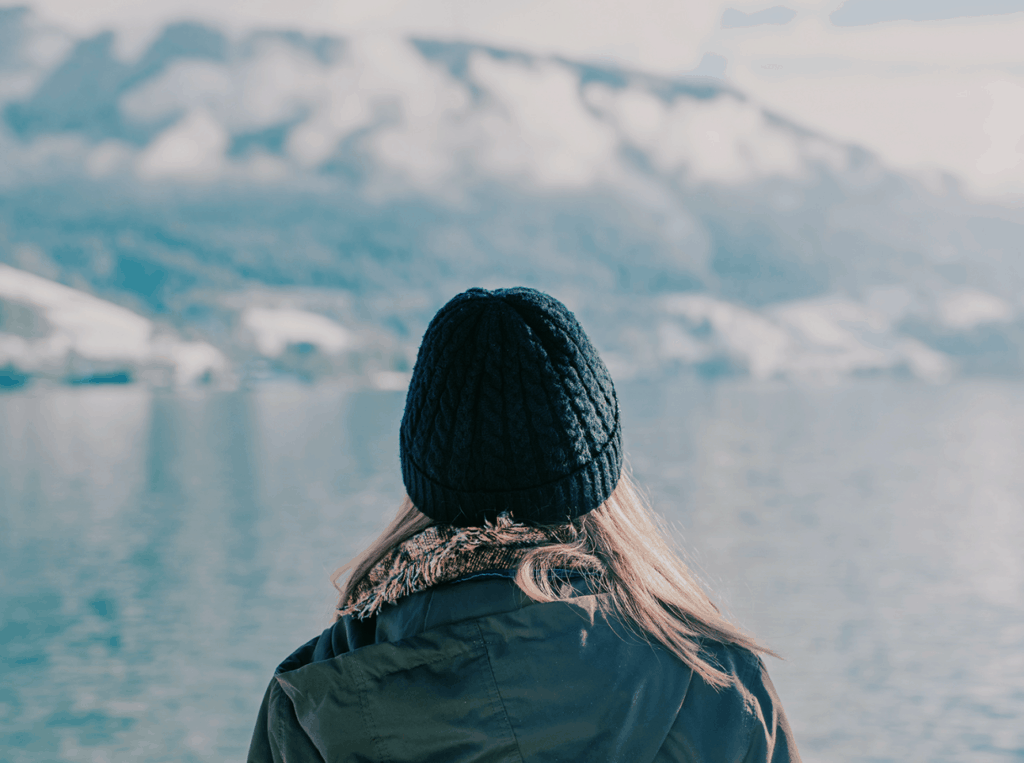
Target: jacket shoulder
(278, 736)
(743, 722)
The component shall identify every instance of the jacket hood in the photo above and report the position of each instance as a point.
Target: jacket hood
(476, 671)
(479, 666)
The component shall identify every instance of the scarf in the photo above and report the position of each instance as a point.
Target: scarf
(441, 554)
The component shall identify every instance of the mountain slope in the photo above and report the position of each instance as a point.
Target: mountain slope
(396, 172)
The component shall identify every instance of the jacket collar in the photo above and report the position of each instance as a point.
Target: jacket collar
(482, 595)
(478, 595)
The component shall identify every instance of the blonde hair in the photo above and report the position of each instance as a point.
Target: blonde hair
(649, 586)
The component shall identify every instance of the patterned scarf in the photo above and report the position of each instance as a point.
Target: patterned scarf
(441, 554)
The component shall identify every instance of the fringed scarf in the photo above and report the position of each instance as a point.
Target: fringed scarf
(441, 554)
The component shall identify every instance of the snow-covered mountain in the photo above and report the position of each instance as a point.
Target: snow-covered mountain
(52, 331)
(297, 201)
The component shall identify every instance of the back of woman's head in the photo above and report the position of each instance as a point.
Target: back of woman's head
(509, 409)
(512, 418)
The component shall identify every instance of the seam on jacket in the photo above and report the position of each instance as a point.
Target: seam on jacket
(279, 721)
(675, 718)
(497, 691)
(404, 669)
(751, 704)
(773, 732)
(279, 725)
(378, 741)
(682, 701)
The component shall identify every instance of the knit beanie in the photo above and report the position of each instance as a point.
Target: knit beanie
(509, 409)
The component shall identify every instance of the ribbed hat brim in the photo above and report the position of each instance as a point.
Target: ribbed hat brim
(555, 502)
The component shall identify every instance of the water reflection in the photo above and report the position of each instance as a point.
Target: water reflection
(159, 554)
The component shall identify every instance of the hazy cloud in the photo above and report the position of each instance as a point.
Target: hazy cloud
(779, 14)
(861, 12)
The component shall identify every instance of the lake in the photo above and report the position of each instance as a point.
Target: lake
(160, 553)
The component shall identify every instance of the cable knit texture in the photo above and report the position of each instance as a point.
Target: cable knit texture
(510, 408)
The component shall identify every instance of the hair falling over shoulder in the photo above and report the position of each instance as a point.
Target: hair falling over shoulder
(648, 585)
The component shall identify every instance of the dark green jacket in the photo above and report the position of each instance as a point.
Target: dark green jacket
(475, 671)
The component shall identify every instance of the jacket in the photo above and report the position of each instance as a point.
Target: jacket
(476, 671)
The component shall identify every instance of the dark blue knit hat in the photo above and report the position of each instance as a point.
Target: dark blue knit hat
(509, 409)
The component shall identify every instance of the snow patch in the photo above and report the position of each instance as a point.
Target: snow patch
(93, 327)
(391, 381)
(745, 335)
(820, 339)
(47, 328)
(275, 329)
(192, 362)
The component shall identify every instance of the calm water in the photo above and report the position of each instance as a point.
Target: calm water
(159, 555)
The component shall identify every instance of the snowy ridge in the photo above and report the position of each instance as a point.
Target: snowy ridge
(822, 340)
(50, 330)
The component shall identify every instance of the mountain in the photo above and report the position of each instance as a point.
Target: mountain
(367, 180)
(52, 331)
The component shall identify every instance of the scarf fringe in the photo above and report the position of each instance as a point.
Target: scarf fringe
(441, 554)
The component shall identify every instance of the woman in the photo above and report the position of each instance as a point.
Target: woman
(524, 605)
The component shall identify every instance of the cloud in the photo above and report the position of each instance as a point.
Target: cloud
(778, 14)
(192, 149)
(862, 12)
(662, 35)
(108, 158)
(1004, 127)
(537, 125)
(421, 107)
(725, 140)
(184, 86)
(274, 83)
(919, 95)
(968, 308)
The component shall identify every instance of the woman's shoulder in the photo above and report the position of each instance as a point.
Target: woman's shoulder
(475, 596)
(736, 661)
(345, 635)
(748, 706)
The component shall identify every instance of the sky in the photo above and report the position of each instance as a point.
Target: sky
(933, 87)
